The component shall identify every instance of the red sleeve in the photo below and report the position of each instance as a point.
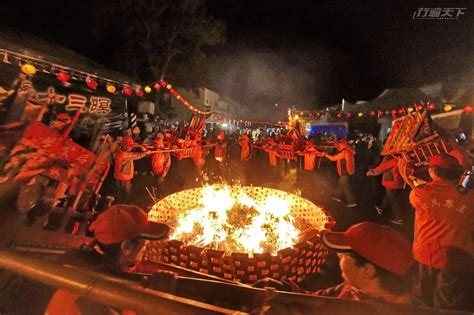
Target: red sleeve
(385, 166)
(415, 197)
(336, 157)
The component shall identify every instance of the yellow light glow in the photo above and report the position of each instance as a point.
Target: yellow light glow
(447, 107)
(110, 88)
(234, 222)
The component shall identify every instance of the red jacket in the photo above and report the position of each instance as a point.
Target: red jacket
(160, 163)
(344, 156)
(246, 150)
(443, 219)
(391, 178)
(123, 168)
(310, 153)
(220, 152)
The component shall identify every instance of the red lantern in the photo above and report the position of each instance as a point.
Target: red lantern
(139, 93)
(339, 115)
(431, 106)
(419, 107)
(92, 84)
(372, 113)
(380, 113)
(127, 90)
(163, 83)
(468, 109)
(156, 86)
(394, 111)
(348, 115)
(401, 111)
(63, 77)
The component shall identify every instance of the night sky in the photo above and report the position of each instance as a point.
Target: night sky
(303, 53)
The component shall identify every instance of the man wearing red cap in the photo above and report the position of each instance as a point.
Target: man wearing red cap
(376, 264)
(443, 245)
(120, 233)
(345, 169)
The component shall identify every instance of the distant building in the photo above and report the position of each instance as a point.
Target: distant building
(206, 100)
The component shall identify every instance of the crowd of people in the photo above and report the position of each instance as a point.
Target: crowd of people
(419, 250)
(440, 217)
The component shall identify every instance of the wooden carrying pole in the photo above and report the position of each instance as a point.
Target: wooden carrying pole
(104, 291)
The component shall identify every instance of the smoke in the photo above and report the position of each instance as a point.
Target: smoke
(259, 80)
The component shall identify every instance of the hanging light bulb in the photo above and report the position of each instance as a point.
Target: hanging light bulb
(63, 77)
(127, 90)
(110, 88)
(147, 89)
(92, 84)
(432, 107)
(360, 114)
(447, 107)
(28, 69)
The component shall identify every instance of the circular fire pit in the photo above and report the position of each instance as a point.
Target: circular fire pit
(257, 232)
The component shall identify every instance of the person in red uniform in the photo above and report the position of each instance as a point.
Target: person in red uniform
(443, 245)
(220, 151)
(220, 154)
(396, 194)
(376, 264)
(121, 233)
(160, 161)
(198, 154)
(246, 148)
(310, 152)
(270, 147)
(345, 168)
(124, 170)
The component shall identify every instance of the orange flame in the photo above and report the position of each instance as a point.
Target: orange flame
(229, 220)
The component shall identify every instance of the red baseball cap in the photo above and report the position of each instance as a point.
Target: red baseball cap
(445, 161)
(125, 222)
(379, 244)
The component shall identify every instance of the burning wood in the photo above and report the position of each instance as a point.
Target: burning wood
(242, 233)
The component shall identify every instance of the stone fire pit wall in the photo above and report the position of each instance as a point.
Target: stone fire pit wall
(294, 263)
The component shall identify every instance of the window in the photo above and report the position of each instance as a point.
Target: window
(206, 102)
